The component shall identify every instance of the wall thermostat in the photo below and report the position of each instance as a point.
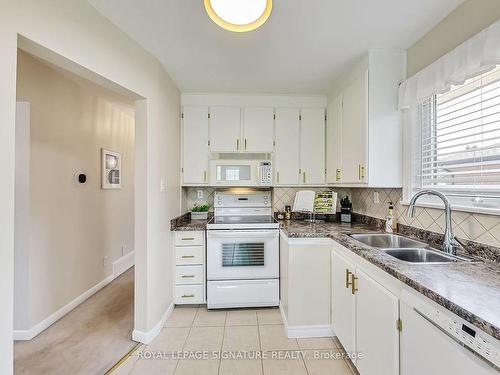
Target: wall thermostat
(80, 177)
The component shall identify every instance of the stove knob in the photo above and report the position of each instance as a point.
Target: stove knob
(265, 202)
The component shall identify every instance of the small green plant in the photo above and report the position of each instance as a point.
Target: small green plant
(201, 208)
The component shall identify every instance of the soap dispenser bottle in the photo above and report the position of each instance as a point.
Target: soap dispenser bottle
(390, 220)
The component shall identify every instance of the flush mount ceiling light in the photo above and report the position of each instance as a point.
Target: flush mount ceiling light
(239, 15)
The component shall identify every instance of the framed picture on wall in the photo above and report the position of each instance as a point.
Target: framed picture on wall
(111, 165)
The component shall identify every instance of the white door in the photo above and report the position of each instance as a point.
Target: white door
(343, 319)
(312, 146)
(258, 129)
(377, 337)
(355, 131)
(287, 138)
(225, 126)
(195, 145)
(333, 141)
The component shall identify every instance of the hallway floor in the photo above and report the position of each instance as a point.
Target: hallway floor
(193, 339)
(89, 340)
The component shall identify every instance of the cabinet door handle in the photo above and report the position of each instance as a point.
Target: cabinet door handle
(187, 296)
(187, 239)
(337, 174)
(278, 177)
(187, 256)
(245, 143)
(304, 177)
(347, 275)
(187, 276)
(354, 289)
(361, 172)
(237, 144)
(205, 176)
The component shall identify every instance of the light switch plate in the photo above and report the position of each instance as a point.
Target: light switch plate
(163, 185)
(200, 194)
(376, 197)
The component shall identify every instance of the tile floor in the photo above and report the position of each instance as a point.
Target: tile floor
(195, 331)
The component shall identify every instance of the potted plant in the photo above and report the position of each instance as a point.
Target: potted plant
(199, 212)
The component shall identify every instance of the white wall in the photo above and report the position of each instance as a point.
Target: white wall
(71, 226)
(74, 31)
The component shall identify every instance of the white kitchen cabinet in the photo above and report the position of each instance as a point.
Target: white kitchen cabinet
(333, 141)
(286, 152)
(225, 129)
(195, 153)
(364, 317)
(354, 130)
(312, 146)
(258, 129)
(370, 130)
(189, 270)
(343, 302)
(377, 311)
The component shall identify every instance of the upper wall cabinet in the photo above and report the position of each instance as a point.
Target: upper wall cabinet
(312, 146)
(364, 131)
(286, 152)
(225, 129)
(258, 126)
(195, 145)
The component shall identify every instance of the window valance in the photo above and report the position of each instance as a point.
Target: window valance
(475, 56)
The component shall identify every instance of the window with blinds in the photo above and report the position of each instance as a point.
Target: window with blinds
(460, 137)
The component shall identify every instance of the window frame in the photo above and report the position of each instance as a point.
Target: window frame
(466, 200)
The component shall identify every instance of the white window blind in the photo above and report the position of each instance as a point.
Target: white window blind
(460, 137)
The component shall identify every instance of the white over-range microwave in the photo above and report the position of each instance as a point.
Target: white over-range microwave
(224, 172)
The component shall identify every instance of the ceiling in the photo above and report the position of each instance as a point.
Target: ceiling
(301, 49)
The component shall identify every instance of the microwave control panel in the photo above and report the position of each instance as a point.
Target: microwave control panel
(266, 173)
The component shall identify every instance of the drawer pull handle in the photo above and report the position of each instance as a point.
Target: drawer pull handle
(347, 275)
(354, 289)
(187, 238)
(187, 256)
(187, 296)
(187, 276)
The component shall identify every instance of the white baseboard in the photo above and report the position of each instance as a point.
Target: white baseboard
(28, 334)
(124, 263)
(294, 332)
(146, 337)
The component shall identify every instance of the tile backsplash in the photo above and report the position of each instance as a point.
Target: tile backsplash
(481, 228)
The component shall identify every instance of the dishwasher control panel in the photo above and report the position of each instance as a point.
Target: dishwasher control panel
(482, 344)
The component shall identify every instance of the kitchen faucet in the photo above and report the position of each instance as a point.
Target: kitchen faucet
(450, 244)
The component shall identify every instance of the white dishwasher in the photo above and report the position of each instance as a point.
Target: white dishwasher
(436, 341)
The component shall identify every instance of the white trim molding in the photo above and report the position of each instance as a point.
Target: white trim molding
(124, 263)
(23, 335)
(146, 337)
(294, 332)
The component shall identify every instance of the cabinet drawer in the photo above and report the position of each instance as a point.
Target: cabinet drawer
(187, 238)
(189, 275)
(185, 255)
(187, 294)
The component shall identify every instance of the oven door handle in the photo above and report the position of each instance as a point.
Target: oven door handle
(242, 234)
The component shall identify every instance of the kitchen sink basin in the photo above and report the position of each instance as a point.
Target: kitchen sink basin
(420, 255)
(387, 241)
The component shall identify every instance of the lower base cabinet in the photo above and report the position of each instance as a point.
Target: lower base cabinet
(365, 318)
(189, 267)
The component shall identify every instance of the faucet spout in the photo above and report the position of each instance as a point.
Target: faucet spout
(449, 242)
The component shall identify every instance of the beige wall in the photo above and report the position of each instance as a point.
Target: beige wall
(465, 21)
(72, 227)
(74, 34)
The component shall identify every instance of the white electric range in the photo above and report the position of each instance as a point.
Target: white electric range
(242, 251)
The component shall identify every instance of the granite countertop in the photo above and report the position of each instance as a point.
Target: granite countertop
(192, 225)
(470, 290)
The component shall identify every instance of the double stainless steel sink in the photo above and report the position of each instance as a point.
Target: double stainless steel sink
(406, 249)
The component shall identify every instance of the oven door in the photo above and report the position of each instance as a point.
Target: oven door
(242, 254)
